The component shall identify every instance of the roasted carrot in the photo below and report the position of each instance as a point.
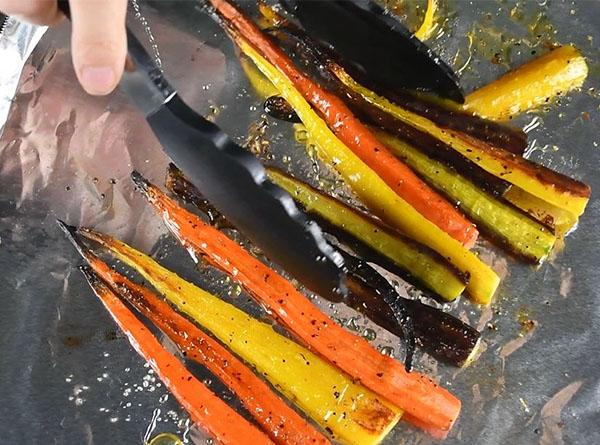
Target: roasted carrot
(425, 267)
(354, 134)
(261, 85)
(177, 183)
(444, 336)
(412, 392)
(447, 114)
(273, 415)
(376, 194)
(350, 412)
(511, 228)
(207, 410)
(555, 188)
(533, 84)
(559, 220)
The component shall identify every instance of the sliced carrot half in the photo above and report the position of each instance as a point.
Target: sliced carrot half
(207, 410)
(355, 135)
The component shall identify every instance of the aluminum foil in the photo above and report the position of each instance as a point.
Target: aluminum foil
(68, 376)
(17, 41)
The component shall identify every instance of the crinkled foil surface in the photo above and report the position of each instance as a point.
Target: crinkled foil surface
(68, 377)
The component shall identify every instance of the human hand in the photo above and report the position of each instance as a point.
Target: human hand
(98, 40)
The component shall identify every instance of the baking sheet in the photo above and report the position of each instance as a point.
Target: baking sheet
(67, 376)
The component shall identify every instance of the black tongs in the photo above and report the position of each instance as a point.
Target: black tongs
(231, 178)
(376, 45)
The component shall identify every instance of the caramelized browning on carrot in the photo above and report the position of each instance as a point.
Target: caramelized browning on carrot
(412, 392)
(548, 185)
(559, 220)
(206, 410)
(376, 194)
(354, 134)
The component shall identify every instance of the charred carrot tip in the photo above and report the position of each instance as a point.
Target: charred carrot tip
(139, 181)
(68, 229)
(71, 234)
(91, 277)
(173, 170)
(92, 235)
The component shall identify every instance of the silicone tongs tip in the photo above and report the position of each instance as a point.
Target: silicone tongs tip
(367, 38)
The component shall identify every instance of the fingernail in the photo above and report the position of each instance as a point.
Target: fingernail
(98, 79)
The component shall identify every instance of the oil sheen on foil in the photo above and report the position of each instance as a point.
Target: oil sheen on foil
(68, 376)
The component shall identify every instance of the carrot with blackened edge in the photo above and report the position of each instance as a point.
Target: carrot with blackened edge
(555, 188)
(274, 416)
(375, 193)
(353, 415)
(445, 113)
(354, 134)
(419, 396)
(443, 336)
(205, 409)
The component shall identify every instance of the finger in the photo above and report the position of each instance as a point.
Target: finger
(39, 12)
(98, 43)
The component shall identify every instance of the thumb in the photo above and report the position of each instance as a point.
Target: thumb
(98, 43)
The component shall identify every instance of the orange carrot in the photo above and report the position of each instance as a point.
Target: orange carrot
(354, 415)
(354, 134)
(417, 395)
(283, 425)
(206, 409)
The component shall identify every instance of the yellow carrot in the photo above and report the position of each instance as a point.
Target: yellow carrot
(561, 221)
(375, 193)
(349, 411)
(533, 84)
(546, 184)
(430, 270)
(260, 83)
